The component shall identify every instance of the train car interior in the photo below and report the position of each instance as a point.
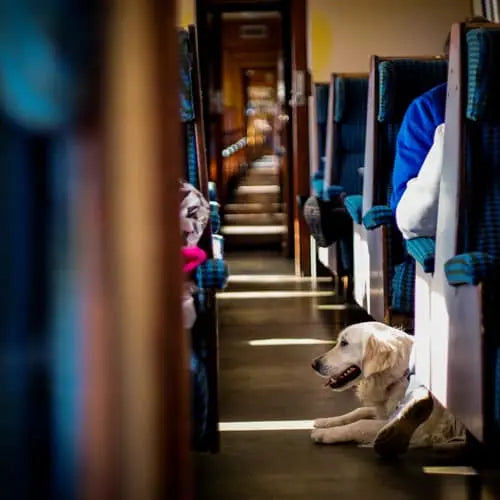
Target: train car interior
(251, 249)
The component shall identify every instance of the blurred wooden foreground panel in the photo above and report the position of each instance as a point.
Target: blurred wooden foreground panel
(136, 436)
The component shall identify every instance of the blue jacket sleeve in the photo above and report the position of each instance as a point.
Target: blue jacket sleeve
(412, 145)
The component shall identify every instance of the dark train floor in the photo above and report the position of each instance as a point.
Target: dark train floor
(276, 383)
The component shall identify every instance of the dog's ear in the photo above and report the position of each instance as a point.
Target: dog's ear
(379, 354)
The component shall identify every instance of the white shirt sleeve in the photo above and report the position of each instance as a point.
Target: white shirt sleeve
(416, 213)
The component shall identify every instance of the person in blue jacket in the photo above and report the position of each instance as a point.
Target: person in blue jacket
(415, 138)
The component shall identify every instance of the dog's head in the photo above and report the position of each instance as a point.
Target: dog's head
(363, 350)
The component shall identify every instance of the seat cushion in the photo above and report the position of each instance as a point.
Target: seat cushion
(354, 205)
(379, 215)
(423, 250)
(468, 268)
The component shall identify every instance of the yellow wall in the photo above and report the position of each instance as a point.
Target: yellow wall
(185, 12)
(344, 33)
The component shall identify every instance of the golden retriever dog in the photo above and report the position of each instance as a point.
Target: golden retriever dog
(374, 359)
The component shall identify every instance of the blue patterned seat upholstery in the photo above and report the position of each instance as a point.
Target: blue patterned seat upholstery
(322, 93)
(400, 81)
(468, 268)
(191, 156)
(317, 183)
(351, 96)
(423, 250)
(213, 273)
(185, 81)
(379, 215)
(333, 191)
(354, 205)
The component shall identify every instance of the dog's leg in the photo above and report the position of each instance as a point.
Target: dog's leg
(361, 432)
(365, 412)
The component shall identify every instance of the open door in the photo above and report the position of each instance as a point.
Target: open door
(294, 135)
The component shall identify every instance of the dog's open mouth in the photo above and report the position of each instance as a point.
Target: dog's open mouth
(344, 378)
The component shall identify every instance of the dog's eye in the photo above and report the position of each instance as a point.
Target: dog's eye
(343, 343)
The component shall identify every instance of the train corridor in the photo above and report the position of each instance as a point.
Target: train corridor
(271, 325)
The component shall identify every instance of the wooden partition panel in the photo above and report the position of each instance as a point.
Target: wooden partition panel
(329, 256)
(458, 342)
(329, 146)
(376, 240)
(143, 155)
(100, 458)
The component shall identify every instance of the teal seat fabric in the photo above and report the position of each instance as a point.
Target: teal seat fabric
(403, 286)
(213, 273)
(379, 215)
(40, 316)
(191, 156)
(351, 97)
(469, 268)
(47, 54)
(317, 183)
(423, 251)
(354, 205)
(400, 82)
(333, 191)
(47, 57)
(185, 81)
(321, 94)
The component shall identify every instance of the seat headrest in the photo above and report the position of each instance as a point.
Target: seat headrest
(483, 82)
(402, 80)
(351, 96)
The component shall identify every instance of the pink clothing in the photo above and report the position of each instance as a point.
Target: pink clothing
(193, 257)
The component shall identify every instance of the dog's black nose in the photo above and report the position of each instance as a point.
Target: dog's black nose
(316, 364)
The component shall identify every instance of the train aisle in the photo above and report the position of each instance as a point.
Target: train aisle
(271, 327)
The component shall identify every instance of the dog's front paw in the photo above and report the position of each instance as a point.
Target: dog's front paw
(318, 435)
(322, 436)
(322, 423)
(328, 436)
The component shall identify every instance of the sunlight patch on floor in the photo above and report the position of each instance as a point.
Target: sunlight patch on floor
(274, 278)
(335, 307)
(451, 471)
(273, 294)
(266, 425)
(304, 341)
